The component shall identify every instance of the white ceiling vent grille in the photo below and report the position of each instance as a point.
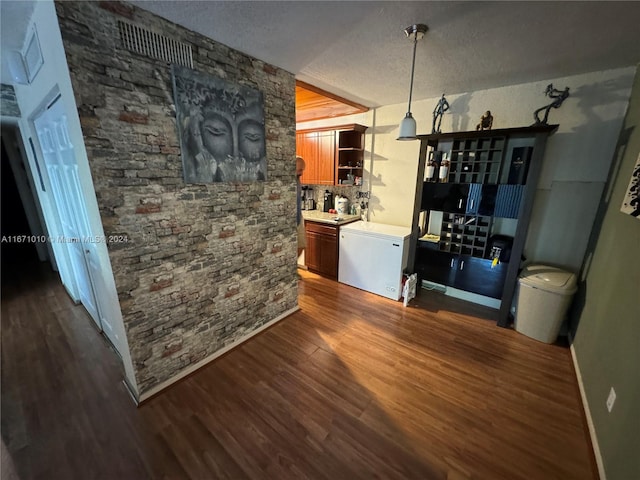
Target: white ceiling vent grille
(154, 45)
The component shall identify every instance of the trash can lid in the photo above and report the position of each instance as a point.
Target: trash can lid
(549, 278)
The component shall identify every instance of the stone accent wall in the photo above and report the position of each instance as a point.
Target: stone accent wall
(204, 264)
(8, 102)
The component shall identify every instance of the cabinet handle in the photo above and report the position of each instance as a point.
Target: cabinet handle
(460, 204)
(452, 263)
(471, 205)
(461, 264)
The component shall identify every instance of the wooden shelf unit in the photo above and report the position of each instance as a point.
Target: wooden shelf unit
(476, 160)
(492, 174)
(465, 234)
(349, 154)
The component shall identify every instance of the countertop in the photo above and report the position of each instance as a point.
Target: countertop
(328, 218)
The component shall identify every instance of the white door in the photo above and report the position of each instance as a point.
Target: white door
(59, 158)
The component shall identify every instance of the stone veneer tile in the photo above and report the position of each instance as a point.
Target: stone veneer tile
(205, 264)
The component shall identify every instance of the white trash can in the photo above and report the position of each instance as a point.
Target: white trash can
(544, 296)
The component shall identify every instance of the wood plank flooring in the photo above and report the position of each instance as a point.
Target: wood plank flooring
(351, 386)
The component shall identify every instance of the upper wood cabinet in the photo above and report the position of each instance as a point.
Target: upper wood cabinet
(318, 150)
(333, 155)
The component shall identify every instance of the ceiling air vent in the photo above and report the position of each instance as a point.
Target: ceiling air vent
(154, 45)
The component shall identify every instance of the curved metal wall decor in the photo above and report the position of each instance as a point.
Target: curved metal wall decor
(558, 96)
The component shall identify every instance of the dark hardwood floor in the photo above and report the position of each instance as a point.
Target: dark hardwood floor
(351, 386)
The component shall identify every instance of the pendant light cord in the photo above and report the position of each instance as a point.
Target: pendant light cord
(413, 66)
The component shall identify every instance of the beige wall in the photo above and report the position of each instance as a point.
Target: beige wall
(575, 167)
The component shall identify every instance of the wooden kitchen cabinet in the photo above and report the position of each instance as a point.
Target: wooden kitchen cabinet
(333, 155)
(317, 148)
(321, 252)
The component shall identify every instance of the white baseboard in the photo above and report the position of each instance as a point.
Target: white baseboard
(131, 391)
(161, 386)
(587, 412)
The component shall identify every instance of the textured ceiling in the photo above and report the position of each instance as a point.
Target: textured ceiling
(358, 49)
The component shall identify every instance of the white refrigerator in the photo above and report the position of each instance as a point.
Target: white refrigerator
(373, 256)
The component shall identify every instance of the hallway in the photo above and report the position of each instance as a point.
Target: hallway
(63, 400)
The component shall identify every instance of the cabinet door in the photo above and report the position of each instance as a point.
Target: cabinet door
(446, 197)
(435, 266)
(488, 200)
(473, 199)
(433, 196)
(476, 275)
(307, 148)
(318, 151)
(481, 199)
(321, 253)
(326, 157)
(456, 199)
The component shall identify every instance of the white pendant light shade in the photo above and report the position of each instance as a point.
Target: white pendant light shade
(407, 128)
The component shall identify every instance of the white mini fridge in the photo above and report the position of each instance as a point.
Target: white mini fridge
(373, 257)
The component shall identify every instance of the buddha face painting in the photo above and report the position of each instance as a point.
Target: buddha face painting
(251, 140)
(221, 129)
(217, 136)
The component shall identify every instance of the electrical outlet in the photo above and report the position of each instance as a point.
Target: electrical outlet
(611, 399)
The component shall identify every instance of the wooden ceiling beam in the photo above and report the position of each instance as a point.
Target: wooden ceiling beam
(313, 103)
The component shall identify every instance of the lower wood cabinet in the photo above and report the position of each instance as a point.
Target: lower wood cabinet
(321, 252)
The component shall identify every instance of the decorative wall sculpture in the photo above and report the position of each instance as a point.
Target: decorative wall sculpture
(220, 127)
(558, 97)
(441, 107)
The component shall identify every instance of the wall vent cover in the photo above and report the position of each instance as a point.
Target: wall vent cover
(154, 45)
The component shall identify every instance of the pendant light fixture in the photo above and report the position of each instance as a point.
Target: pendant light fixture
(408, 124)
